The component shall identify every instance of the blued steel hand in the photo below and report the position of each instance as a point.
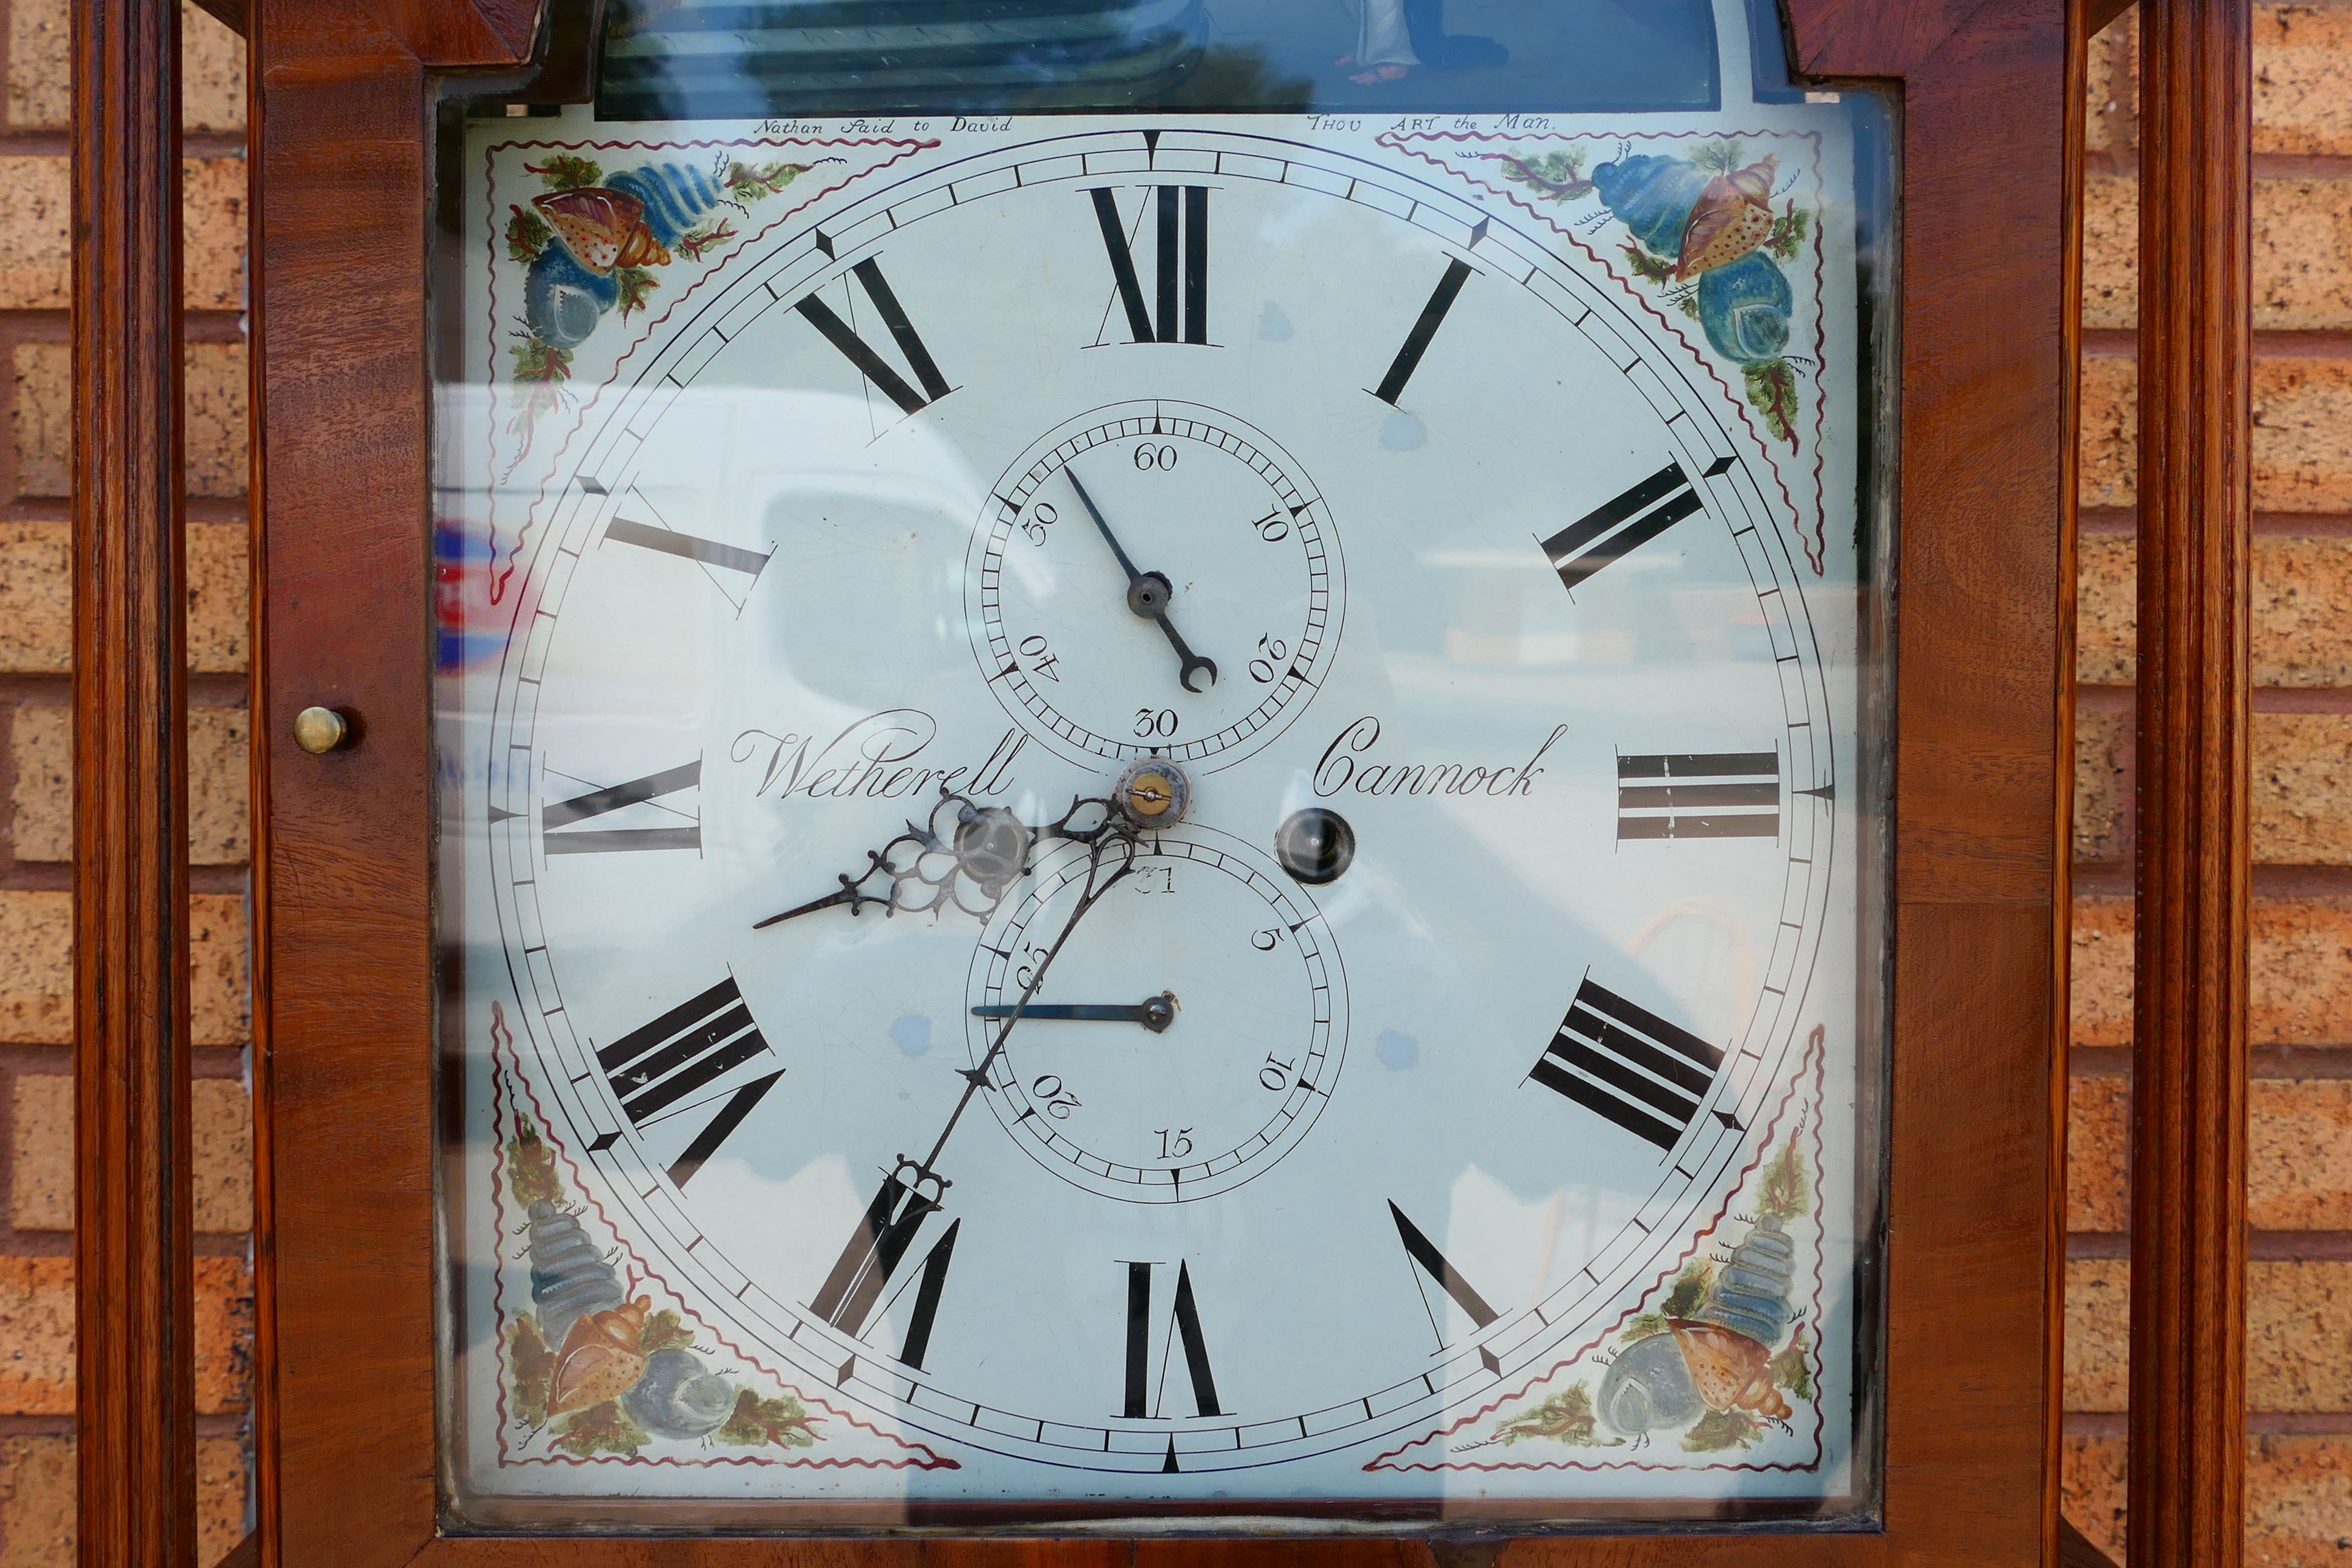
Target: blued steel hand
(1148, 594)
(1154, 1013)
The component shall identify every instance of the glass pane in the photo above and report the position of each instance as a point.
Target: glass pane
(1167, 810)
(668, 60)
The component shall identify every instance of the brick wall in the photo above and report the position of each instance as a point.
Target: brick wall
(2299, 1355)
(37, 1308)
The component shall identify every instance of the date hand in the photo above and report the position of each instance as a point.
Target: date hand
(1154, 1013)
(1148, 594)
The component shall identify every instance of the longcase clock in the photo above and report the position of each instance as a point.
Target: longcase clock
(1159, 770)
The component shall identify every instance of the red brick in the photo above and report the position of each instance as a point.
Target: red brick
(41, 1190)
(37, 1328)
(2303, 78)
(2299, 1157)
(2091, 1490)
(37, 1489)
(36, 968)
(2302, 447)
(2098, 1153)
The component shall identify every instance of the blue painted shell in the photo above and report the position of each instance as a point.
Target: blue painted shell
(568, 1276)
(1744, 305)
(1745, 308)
(562, 301)
(1653, 196)
(678, 1398)
(1751, 1295)
(1649, 1386)
(676, 197)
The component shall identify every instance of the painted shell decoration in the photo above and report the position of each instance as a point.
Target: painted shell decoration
(679, 1398)
(637, 220)
(568, 1276)
(601, 1358)
(1719, 1358)
(1710, 228)
(602, 228)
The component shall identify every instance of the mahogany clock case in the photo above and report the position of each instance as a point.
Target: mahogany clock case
(1949, 855)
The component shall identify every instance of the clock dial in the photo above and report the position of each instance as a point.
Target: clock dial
(1166, 817)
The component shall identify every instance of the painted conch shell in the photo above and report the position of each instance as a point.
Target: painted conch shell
(604, 229)
(601, 1358)
(1731, 217)
(1732, 1370)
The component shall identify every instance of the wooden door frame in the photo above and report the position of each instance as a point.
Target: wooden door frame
(343, 970)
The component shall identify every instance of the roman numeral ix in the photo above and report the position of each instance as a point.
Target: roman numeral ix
(1627, 1064)
(1699, 794)
(563, 814)
(872, 365)
(651, 1067)
(1182, 269)
(1624, 523)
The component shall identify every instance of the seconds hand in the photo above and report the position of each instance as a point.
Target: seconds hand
(976, 1077)
(1148, 594)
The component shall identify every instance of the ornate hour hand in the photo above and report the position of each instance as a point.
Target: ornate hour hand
(1148, 594)
(1154, 1013)
(967, 855)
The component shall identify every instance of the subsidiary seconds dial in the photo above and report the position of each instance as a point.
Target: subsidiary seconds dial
(1155, 578)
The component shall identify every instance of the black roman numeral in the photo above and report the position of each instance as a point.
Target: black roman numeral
(1619, 526)
(598, 802)
(1187, 1330)
(651, 1069)
(874, 368)
(1416, 343)
(874, 1252)
(1628, 1064)
(1183, 269)
(1699, 794)
(1420, 1248)
(926, 1299)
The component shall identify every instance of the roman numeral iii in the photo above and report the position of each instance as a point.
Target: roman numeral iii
(1699, 794)
(871, 364)
(1626, 522)
(566, 814)
(1183, 268)
(1628, 1065)
(684, 1050)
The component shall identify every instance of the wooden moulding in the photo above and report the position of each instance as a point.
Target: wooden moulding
(340, 170)
(2188, 1050)
(134, 1308)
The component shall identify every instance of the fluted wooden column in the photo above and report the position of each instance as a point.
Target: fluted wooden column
(134, 1308)
(2189, 1140)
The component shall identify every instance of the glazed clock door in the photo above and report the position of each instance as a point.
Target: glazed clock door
(1157, 776)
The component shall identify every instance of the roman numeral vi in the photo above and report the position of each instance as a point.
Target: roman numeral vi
(1627, 1064)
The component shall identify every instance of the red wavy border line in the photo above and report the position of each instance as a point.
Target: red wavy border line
(932, 1459)
(909, 149)
(1816, 550)
(1816, 1050)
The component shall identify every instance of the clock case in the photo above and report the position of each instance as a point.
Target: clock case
(347, 95)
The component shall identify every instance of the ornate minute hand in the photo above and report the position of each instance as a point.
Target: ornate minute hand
(1148, 594)
(963, 849)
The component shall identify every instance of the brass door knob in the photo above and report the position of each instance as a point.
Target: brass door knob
(320, 730)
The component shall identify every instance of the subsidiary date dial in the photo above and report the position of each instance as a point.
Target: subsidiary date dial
(1155, 578)
(1185, 1038)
